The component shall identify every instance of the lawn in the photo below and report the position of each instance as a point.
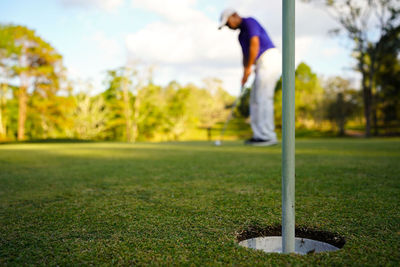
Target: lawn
(185, 203)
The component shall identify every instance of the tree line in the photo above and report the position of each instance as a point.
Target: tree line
(38, 101)
(373, 27)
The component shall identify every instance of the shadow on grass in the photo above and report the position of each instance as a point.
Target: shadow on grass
(48, 141)
(307, 133)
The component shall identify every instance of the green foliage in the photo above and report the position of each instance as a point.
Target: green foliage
(36, 69)
(48, 116)
(10, 116)
(25, 53)
(151, 116)
(213, 104)
(373, 27)
(90, 117)
(387, 95)
(150, 112)
(308, 97)
(179, 111)
(341, 102)
(34, 94)
(113, 97)
(244, 104)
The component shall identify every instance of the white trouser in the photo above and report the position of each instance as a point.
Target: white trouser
(268, 70)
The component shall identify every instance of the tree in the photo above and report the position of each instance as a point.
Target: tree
(6, 45)
(177, 110)
(387, 97)
(125, 95)
(150, 114)
(308, 97)
(3, 103)
(214, 105)
(34, 62)
(114, 101)
(341, 102)
(126, 82)
(362, 22)
(90, 116)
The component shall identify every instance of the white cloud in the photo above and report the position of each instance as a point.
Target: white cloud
(107, 5)
(96, 53)
(303, 45)
(330, 52)
(171, 10)
(310, 20)
(186, 45)
(108, 47)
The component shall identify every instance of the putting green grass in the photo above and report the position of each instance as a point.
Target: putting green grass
(184, 203)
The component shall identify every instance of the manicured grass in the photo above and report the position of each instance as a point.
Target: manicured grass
(183, 203)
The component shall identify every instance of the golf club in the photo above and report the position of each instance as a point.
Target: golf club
(243, 90)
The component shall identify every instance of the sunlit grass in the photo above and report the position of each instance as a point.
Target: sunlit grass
(181, 203)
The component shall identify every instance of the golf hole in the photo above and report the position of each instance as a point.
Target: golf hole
(307, 241)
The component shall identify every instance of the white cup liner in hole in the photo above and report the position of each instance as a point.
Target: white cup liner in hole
(273, 244)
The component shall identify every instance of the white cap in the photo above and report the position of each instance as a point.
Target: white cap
(225, 16)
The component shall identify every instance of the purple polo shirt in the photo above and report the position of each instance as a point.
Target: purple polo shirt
(250, 28)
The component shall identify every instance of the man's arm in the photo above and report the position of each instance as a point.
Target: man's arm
(254, 49)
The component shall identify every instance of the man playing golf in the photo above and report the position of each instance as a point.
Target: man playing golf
(259, 51)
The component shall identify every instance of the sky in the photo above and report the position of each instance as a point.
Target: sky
(179, 39)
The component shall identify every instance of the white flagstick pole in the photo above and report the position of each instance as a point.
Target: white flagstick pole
(288, 129)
